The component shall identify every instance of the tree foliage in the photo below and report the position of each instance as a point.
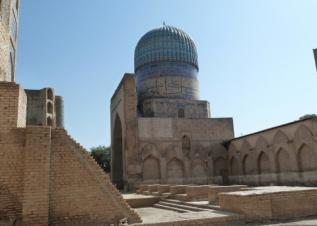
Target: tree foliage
(308, 116)
(102, 155)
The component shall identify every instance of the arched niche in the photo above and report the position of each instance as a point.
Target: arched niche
(264, 165)
(186, 146)
(117, 154)
(50, 94)
(248, 165)
(49, 121)
(283, 161)
(151, 170)
(199, 172)
(181, 113)
(234, 166)
(175, 171)
(306, 158)
(220, 165)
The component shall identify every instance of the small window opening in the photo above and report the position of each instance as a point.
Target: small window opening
(49, 121)
(181, 113)
(50, 94)
(50, 107)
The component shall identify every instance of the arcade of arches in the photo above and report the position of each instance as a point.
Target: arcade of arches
(282, 155)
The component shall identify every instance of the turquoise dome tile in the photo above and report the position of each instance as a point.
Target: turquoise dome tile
(166, 43)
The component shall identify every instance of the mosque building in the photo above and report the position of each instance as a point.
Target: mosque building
(162, 132)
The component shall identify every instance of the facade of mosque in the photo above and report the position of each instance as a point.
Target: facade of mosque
(163, 133)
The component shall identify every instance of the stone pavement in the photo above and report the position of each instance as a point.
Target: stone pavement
(309, 221)
(151, 215)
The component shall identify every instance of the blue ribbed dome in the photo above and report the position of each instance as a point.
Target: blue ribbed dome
(165, 44)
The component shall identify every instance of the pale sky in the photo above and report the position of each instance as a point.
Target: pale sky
(255, 57)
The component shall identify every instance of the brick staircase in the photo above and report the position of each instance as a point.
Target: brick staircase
(184, 207)
(102, 179)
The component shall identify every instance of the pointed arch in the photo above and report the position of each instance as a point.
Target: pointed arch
(280, 138)
(283, 161)
(150, 149)
(175, 171)
(261, 144)
(173, 151)
(264, 165)
(307, 159)
(186, 146)
(248, 165)
(151, 169)
(303, 135)
(234, 166)
(245, 147)
(117, 154)
(232, 149)
(199, 171)
(220, 165)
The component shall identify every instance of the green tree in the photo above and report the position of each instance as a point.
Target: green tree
(308, 116)
(102, 155)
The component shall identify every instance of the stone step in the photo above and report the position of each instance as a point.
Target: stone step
(182, 197)
(204, 206)
(183, 206)
(157, 205)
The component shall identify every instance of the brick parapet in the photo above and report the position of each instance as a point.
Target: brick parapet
(12, 106)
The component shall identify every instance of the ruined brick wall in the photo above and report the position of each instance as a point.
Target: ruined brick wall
(284, 155)
(47, 178)
(80, 191)
(12, 105)
(271, 206)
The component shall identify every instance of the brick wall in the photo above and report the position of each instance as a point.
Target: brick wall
(12, 106)
(271, 206)
(36, 176)
(48, 178)
(11, 172)
(80, 191)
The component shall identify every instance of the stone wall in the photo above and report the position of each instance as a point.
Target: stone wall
(124, 140)
(282, 155)
(171, 150)
(175, 108)
(183, 151)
